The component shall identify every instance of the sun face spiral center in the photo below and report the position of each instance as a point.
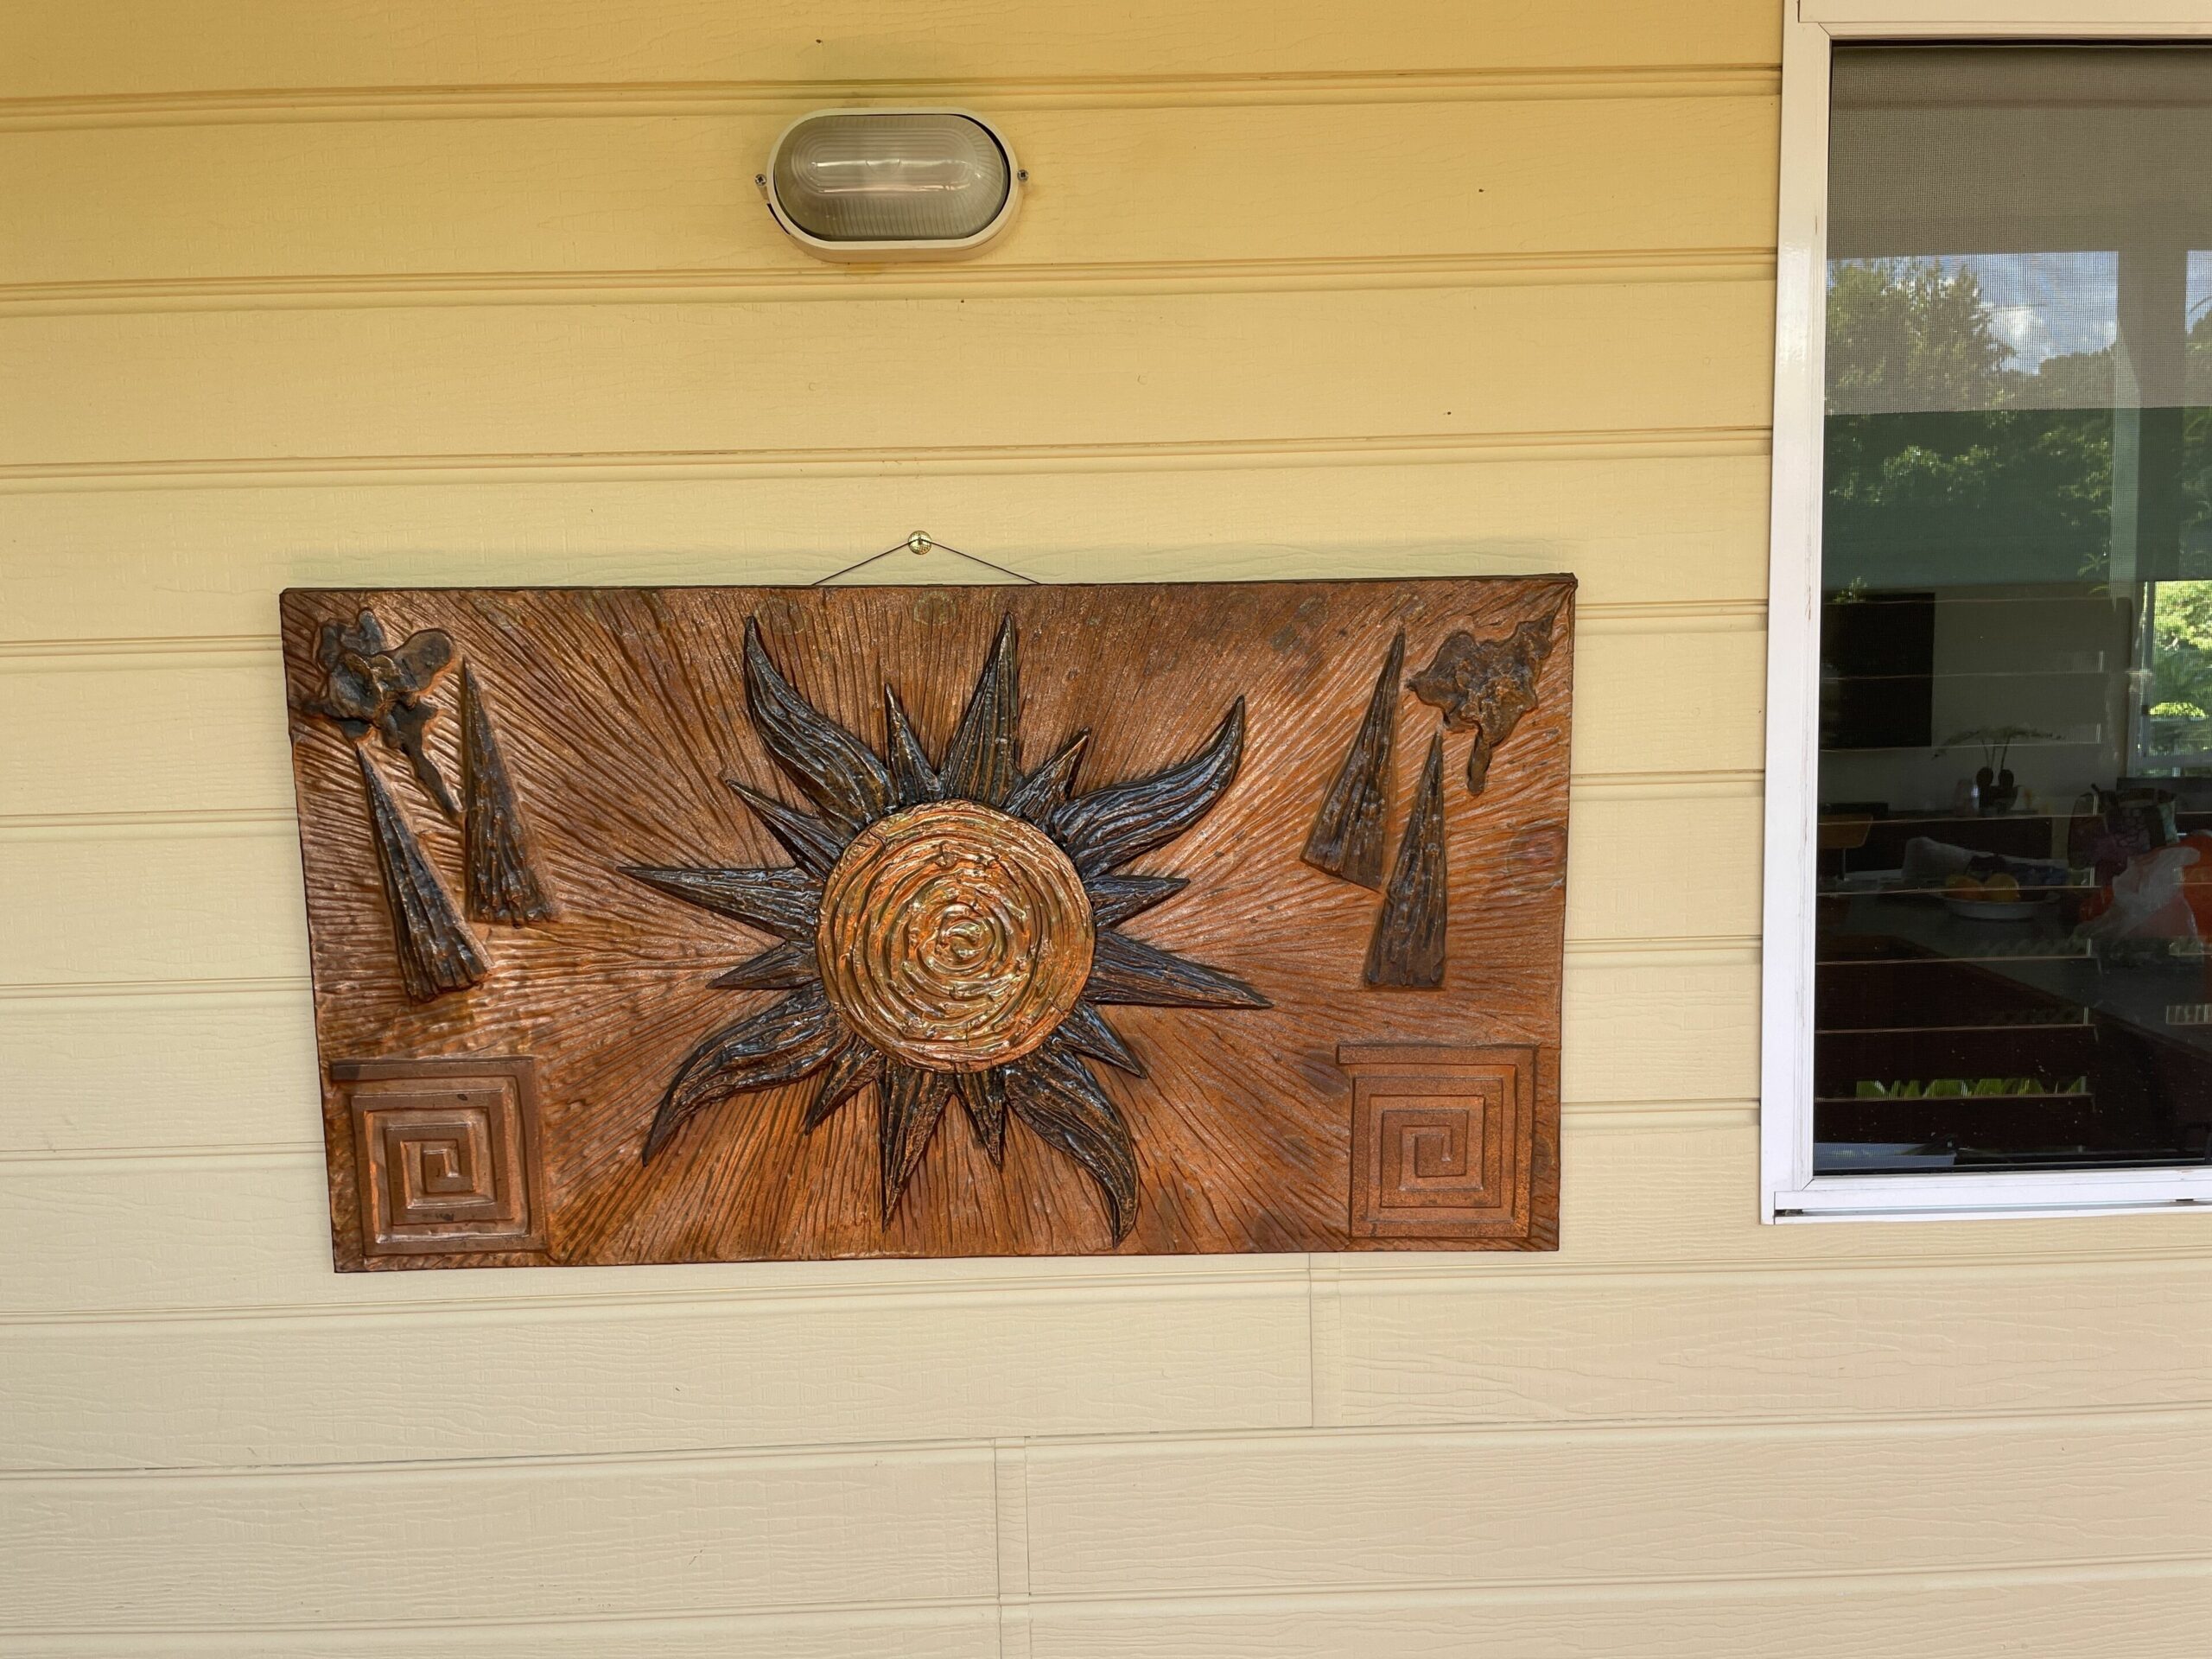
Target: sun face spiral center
(954, 936)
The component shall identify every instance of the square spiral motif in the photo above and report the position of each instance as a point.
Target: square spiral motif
(445, 1155)
(1441, 1139)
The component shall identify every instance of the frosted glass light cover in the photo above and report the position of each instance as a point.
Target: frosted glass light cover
(891, 177)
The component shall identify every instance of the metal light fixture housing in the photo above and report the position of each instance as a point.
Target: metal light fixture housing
(874, 185)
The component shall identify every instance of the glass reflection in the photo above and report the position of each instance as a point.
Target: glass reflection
(2016, 661)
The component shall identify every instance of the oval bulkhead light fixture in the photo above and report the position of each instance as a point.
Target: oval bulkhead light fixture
(891, 184)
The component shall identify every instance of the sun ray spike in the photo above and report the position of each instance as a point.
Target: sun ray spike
(913, 780)
(839, 773)
(1109, 827)
(854, 1068)
(781, 1044)
(1131, 972)
(1040, 794)
(981, 762)
(784, 900)
(1052, 1094)
(813, 842)
(910, 1103)
(1115, 899)
(983, 1096)
(1086, 1031)
(781, 967)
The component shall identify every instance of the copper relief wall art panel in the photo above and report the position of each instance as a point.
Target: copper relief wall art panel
(874, 921)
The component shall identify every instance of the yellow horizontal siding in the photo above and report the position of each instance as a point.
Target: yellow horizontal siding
(2154, 1612)
(434, 211)
(1318, 1512)
(203, 562)
(141, 49)
(586, 1538)
(366, 389)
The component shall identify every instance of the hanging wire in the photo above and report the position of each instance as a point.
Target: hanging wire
(918, 544)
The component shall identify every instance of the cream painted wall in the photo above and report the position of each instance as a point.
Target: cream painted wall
(401, 291)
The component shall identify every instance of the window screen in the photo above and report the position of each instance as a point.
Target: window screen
(2015, 903)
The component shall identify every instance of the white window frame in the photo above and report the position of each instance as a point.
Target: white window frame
(1788, 1189)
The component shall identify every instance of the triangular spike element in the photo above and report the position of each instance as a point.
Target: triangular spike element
(1086, 1031)
(1115, 899)
(1352, 831)
(781, 967)
(501, 883)
(854, 1068)
(983, 1095)
(1036, 796)
(1406, 951)
(436, 951)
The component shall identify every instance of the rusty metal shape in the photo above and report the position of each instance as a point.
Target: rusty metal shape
(1486, 685)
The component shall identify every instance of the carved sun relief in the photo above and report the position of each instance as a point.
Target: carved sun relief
(1333, 983)
(949, 928)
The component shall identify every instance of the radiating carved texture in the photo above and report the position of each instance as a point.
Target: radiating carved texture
(1406, 951)
(446, 1154)
(501, 883)
(1442, 1140)
(625, 709)
(954, 937)
(1486, 685)
(1352, 831)
(436, 951)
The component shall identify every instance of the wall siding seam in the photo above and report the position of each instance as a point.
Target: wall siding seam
(1203, 454)
(1078, 1445)
(895, 1615)
(250, 989)
(893, 1612)
(585, 100)
(1010, 1525)
(1326, 1367)
(1672, 1587)
(1656, 1588)
(1359, 1272)
(423, 290)
(92, 655)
